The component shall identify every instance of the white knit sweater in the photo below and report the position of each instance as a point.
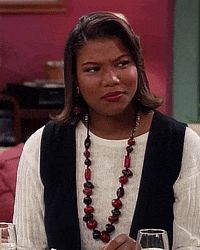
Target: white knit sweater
(107, 161)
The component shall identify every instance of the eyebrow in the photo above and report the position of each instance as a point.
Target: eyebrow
(115, 60)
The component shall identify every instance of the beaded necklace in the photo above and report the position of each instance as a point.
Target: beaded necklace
(88, 218)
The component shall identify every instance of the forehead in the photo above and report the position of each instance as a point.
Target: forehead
(102, 47)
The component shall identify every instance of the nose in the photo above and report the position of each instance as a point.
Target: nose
(110, 78)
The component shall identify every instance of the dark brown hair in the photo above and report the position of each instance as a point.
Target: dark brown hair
(92, 26)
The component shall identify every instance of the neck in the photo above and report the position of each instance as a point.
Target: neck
(112, 127)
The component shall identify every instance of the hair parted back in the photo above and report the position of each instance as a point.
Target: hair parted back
(92, 26)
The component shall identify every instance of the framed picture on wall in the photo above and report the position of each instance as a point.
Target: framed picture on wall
(31, 6)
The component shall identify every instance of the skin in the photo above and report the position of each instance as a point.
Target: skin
(104, 66)
(107, 78)
(121, 242)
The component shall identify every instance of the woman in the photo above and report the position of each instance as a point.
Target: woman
(109, 164)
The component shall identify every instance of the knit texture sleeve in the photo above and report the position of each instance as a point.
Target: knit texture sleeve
(29, 205)
(187, 196)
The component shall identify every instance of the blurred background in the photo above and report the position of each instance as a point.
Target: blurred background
(32, 38)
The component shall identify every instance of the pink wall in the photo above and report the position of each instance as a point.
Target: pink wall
(28, 41)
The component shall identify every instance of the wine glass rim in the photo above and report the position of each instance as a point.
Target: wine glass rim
(6, 223)
(152, 230)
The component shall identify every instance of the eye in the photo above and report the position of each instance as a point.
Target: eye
(123, 63)
(92, 69)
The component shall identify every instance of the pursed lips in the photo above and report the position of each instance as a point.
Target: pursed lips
(113, 96)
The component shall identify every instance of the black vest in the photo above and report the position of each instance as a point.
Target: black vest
(154, 207)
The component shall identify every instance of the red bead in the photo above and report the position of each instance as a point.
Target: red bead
(116, 203)
(123, 179)
(105, 237)
(88, 174)
(113, 219)
(87, 191)
(127, 161)
(88, 209)
(131, 142)
(91, 224)
(87, 153)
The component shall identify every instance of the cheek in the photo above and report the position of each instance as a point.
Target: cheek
(131, 79)
(134, 74)
(88, 86)
(88, 93)
(87, 89)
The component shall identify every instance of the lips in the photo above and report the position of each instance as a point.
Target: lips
(113, 96)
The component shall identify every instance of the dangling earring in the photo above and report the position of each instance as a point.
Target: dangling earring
(77, 109)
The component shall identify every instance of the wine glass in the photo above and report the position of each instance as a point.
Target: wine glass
(8, 239)
(152, 239)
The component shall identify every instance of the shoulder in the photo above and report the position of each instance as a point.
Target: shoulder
(33, 142)
(31, 149)
(54, 131)
(55, 140)
(168, 128)
(191, 155)
(187, 185)
(169, 121)
(192, 142)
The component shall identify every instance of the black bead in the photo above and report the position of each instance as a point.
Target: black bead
(116, 212)
(129, 149)
(120, 192)
(87, 162)
(127, 172)
(87, 217)
(110, 228)
(87, 200)
(96, 234)
(88, 184)
(87, 142)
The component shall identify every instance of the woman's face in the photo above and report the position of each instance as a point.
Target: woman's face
(107, 76)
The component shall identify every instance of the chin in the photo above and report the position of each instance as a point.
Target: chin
(113, 112)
